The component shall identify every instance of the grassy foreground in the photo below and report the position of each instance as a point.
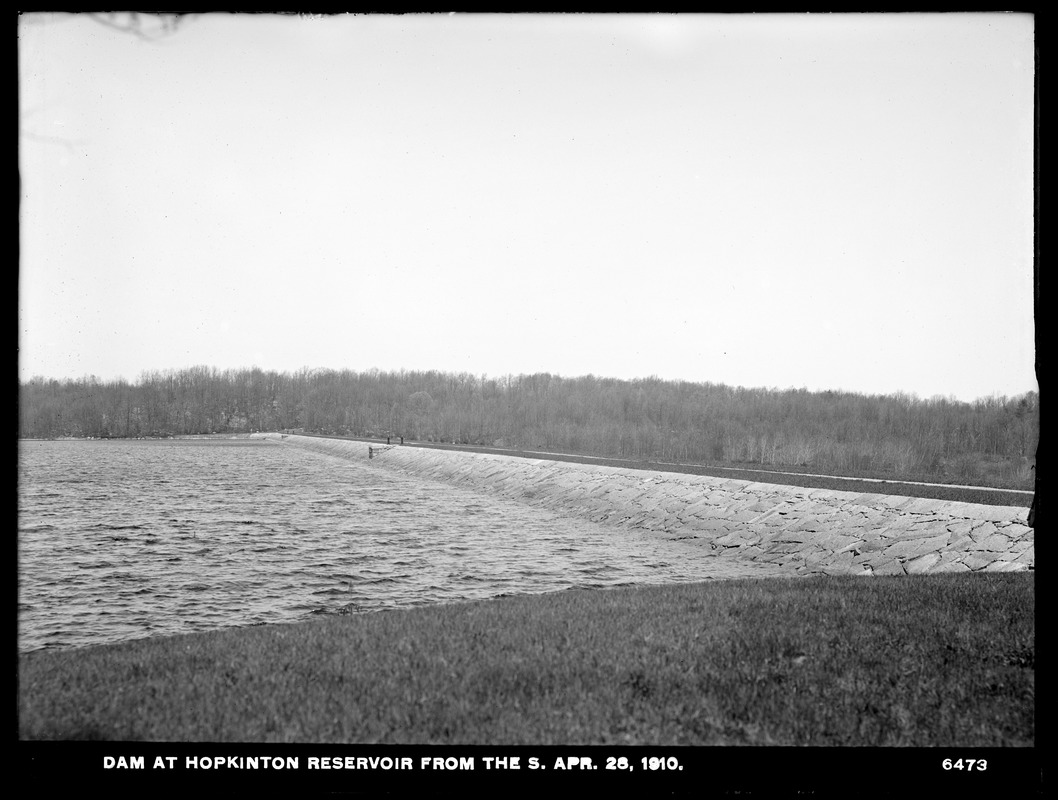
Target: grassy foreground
(944, 660)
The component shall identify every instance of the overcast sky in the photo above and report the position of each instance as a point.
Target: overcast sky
(820, 201)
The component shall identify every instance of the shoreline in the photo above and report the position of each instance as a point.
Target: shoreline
(905, 661)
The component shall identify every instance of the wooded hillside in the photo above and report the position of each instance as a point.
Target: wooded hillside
(990, 442)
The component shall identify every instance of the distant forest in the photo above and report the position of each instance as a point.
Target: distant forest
(991, 441)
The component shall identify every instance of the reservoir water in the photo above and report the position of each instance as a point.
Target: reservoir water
(124, 539)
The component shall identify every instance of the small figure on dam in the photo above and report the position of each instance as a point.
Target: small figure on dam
(1032, 509)
(1035, 490)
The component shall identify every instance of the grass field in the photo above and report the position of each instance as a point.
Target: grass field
(944, 660)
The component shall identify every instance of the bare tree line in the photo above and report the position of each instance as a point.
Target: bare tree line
(990, 441)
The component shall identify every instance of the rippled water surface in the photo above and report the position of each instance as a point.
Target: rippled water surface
(125, 539)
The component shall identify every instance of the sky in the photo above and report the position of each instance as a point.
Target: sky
(828, 201)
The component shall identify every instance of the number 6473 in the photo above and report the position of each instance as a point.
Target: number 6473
(978, 764)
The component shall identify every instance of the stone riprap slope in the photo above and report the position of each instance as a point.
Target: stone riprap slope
(796, 530)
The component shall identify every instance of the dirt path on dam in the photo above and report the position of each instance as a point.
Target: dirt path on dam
(792, 530)
(988, 495)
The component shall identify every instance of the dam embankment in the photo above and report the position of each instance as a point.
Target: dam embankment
(800, 531)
